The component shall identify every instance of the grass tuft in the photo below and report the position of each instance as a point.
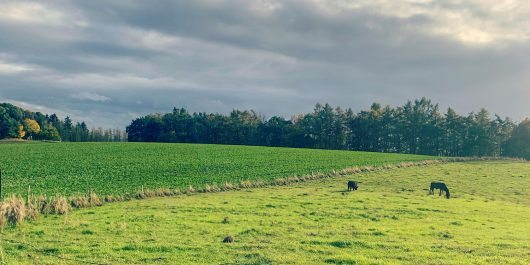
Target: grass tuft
(109, 198)
(32, 210)
(44, 204)
(60, 205)
(212, 188)
(3, 220)
(14, 210)
(93, 199)
(228, 186)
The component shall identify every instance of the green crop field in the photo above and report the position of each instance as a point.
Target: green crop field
(389, 220)
(117, 168)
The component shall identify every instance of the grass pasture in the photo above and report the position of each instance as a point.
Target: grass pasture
(389, 220)
(117, 168)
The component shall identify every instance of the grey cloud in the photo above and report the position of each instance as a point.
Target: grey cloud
(90, 96)
(99, 59)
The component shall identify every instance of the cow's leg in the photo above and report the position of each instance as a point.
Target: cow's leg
(440, 194)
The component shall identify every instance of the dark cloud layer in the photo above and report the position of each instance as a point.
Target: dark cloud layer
(107, 62)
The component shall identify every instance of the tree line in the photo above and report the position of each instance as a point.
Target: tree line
(417, 127)
(16, 122)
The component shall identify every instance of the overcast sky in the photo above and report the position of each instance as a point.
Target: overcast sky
(107, 62)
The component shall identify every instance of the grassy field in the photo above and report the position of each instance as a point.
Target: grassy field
(389, 220)
(117, 168)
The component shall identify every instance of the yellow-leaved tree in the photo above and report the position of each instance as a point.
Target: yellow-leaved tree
(32, 127)
(21, 132)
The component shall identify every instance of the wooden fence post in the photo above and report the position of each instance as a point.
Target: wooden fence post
(1, 184)
(28, 197)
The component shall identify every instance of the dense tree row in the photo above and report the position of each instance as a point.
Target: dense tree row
(16, 122)
(418, 127)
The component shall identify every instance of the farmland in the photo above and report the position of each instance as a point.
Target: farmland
(117, 168)
(389, 220)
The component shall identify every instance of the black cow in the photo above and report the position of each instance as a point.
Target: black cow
(441, 186)
(352, 185)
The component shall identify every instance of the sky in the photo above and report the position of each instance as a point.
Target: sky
(108, 62)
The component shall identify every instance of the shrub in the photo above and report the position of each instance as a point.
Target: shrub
(405, 164)
(208, 188)
(149, 193)
(43, 205)
(93, 199)
(388, 166)
(245, 184)
(14, 210)
(109, 198)
(168, 192)
(228, 186)
(367, 168)
(78, 201)
(3, 221)
(351, 170)
(117, 198)
(140, 195)
(309, 177)
(32, 211)
(259, 183)
(60, 205)
(280, 181)
(215, 188)
(129, 196)
(190, 190)
(159, 192)
(292, 179)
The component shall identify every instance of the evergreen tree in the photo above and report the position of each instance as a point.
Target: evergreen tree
(518, 145)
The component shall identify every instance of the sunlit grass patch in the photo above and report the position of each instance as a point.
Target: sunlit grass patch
(389, 220)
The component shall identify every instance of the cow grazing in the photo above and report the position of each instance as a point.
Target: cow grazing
(441, 186)
(352, 185)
